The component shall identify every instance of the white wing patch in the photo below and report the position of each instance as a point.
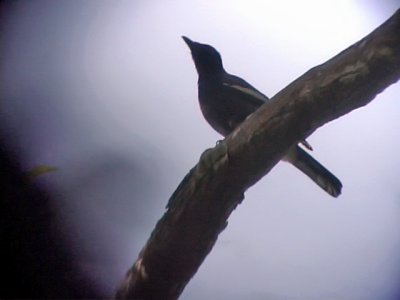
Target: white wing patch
(248, 91)
(306, 144)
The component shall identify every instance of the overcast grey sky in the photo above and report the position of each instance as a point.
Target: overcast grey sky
(106, 91)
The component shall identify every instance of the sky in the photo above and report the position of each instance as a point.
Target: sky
(106, 91)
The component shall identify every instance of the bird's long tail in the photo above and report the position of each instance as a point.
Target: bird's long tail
(313, 169)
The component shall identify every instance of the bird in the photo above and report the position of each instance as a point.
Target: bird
(227, 100)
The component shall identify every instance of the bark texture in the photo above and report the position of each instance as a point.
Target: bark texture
(199, 208)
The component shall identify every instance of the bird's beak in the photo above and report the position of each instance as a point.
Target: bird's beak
(188, 42)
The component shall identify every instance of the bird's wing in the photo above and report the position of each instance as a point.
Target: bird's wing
(306, 144)
(249, 92)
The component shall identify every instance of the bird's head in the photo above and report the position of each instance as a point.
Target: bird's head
(207, 60)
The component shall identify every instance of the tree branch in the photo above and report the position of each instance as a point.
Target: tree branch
(199, 208)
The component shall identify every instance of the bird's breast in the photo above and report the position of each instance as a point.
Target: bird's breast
(215, 114)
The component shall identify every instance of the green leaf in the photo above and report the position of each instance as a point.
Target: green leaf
(40, 170)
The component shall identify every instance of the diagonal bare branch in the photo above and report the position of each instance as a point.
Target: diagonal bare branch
(198, 210)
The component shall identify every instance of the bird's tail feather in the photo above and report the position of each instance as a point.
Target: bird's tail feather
(317, 172)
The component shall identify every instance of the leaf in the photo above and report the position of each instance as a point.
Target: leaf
(40, 170)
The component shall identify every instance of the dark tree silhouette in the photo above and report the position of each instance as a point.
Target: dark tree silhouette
(35, 259)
